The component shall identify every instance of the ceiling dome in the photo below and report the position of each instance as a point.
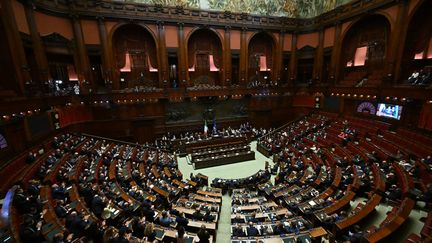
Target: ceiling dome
(286, 8)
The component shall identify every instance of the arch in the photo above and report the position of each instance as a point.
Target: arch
(364, 49)
(201, 28)
(204, 58)
(362, 18)
(418, 44)
(416, 9)
(121, 24)
(274, 41)
(145, 52)
(260, 65)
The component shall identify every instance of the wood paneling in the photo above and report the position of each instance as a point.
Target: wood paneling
(235, 40)
(329, 37)
(90, 32)
(310, 39)
(201, 44)
(20, 18)
(140, 45)
(171, 38)
(48, 24)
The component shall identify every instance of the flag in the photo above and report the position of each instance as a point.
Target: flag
(214, 124)
(205, 127)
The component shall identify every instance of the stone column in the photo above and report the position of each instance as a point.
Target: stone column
(38, 49)
(162, 54)
(106, 55)
(319, 58)
(293, 60)
(226, 79)
(85, 75)
(243, 57)
(19, 60)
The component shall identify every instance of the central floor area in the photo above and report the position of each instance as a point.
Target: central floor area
(231, 171)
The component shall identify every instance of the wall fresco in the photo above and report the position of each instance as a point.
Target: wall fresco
(286, 8)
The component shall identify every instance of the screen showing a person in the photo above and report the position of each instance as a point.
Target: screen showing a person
(389, 110)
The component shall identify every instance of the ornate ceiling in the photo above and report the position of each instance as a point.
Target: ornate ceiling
(287, 8)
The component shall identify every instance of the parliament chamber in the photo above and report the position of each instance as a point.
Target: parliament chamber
(215, 121)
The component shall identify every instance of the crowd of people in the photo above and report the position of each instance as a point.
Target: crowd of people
(420, 77)
(87, 164)
(227, 184)
(168, 140)
(318, 138)
(130, 195)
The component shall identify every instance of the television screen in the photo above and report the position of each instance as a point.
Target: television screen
(389, 110)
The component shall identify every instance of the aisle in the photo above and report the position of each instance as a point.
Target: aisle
(223, 233)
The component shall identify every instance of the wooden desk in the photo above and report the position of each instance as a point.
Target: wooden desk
(317, 232)
(204, 178)
(167, 172)
(192, 183)
(257, 206)
(160, 191)
(197, 224)
(180, 184)
(171, 233)
(345, 200)
(210, 194)
(364, 211)
(207, 199)
(263, 150)
(397, 220)
(215, 141)
(223, 160)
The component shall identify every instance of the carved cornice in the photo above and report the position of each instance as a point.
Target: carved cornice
(194, 17)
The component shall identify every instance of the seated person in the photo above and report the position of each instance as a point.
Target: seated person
(279, 229)
(238, 231)
(208, 217)
(197, 214)
(252, 230)
(253, 218)
(238, 219)
(165, 220)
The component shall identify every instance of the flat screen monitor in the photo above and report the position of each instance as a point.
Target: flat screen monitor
(389, 110)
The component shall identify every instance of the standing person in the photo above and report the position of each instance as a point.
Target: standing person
(203, 235)
(180, 235)
(149, 232)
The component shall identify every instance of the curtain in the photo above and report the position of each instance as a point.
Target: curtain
(360, 56)
(127, 66)
(213, 67)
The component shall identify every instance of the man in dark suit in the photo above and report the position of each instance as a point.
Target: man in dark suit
(203, 235)
(238, 219)
(238, 231)
(279, 229)
(123, 236)
(97, 205)
(182, 220)
(149, 213)
(60, 210)
(252, 230)
(75, 224)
